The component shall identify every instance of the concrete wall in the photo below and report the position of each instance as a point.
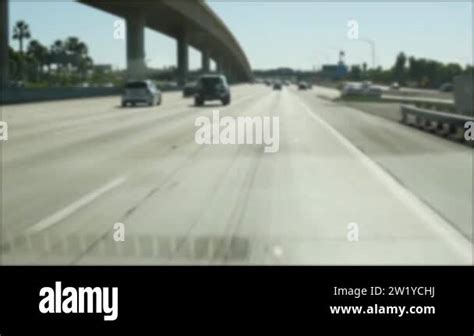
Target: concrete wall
(23, 95)
(17, 96)
(463, 99)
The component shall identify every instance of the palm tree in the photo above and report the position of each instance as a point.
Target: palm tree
(57, 54)
(76, 51)
(85, 64)
(38, 52)
(21, 31)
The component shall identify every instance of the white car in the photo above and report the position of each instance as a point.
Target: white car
(366, 85)
(143, 91)
(374, 92)
(395, 86)
(364, 89)
(352, 89)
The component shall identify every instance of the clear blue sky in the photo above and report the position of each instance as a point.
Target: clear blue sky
(273, 34)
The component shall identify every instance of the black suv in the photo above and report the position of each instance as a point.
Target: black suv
(212, 87)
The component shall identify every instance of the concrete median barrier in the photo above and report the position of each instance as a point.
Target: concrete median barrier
(443, 105)
(443, 123)
(25, 95)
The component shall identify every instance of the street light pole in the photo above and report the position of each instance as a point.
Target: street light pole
(372, 45)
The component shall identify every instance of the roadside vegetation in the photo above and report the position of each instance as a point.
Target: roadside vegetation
(411, 71)
(407, 71)
(67, 63)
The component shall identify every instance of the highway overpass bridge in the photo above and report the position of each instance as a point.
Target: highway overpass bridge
(191, 23)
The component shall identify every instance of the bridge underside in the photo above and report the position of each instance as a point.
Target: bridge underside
(191, 23)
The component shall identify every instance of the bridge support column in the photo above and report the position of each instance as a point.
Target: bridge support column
(235, 76)
(226, 69)
(182, 60)
(136, 67)
(205, 61)
(220, 66)
(4, 60)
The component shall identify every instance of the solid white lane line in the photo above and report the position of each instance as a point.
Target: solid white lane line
(458, 241)
(73, 207)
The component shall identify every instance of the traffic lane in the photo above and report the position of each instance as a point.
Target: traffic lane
(437, 170)
(58, 158)
(23, 117)
(53, 137)
(223, 217)
(291, 207)
(57, 124)
(327, 187)
(53, 183)
(178, 212)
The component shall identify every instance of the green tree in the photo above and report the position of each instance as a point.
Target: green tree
(398, 69)
(414, 70)
(14, 61)
(21, 31)
(355, 73)
(39, 53)
(76, 52)
(84, 66)
(58, 55)
(468, 70)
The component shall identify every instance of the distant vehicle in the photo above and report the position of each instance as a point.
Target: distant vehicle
(277, 86)
(363, 89)
(302, 86)
(395, 86)
(352, 89)
(373, 91)
(144, 91)
(212, 87)
(366, 85)
(189, 89)
(446, 87)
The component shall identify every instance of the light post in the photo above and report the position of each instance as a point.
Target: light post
(372, 46)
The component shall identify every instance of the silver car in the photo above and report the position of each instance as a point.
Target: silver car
(352, 89)
(143, 91)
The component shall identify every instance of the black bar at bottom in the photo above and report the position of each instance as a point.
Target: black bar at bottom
(153, 299)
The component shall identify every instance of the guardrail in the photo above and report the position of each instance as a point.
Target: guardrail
(424, 103)
(443, 123)
(436, 106)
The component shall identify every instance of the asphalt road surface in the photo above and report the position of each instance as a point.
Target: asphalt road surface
(345, 187)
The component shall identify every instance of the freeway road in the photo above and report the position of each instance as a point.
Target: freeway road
(345, 187)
